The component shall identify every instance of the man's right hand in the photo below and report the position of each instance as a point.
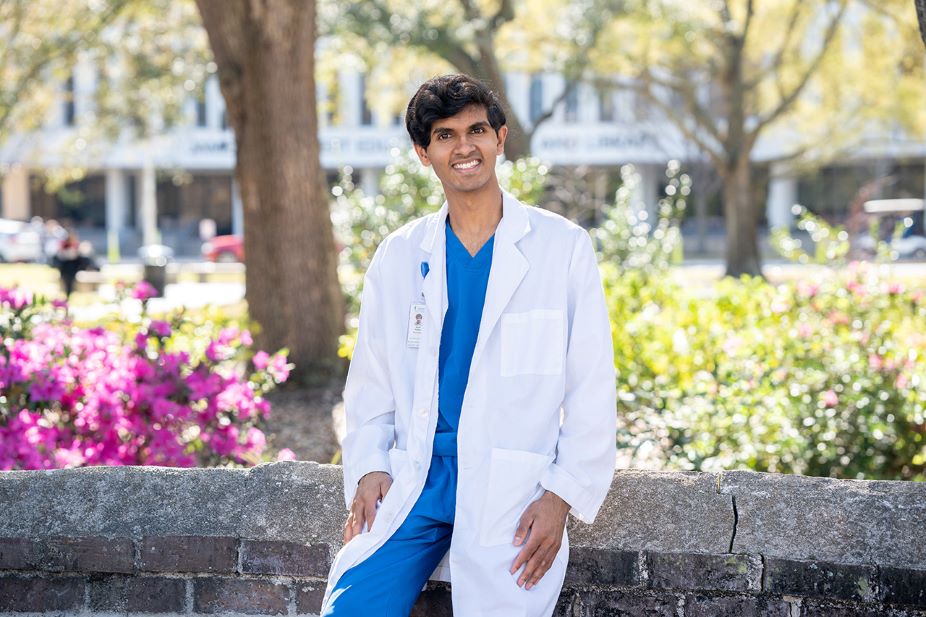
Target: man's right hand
(372, 488)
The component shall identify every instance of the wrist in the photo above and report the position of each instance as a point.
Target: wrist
(558, 501)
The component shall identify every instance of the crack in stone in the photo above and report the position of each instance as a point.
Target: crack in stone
(735, 521)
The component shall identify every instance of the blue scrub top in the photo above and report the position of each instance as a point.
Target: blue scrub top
(467, 279)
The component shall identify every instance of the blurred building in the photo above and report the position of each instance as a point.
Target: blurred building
(189, 169)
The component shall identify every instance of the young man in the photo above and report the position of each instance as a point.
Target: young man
(480, 399)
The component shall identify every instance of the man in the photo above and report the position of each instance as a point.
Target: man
(479, 427)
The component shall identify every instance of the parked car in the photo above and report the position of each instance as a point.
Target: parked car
(19, 242)
(224, 248)
(912, 241)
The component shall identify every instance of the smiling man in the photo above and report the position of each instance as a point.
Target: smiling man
(480, 400)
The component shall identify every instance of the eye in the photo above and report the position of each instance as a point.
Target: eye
(442, 136)
(479, 130)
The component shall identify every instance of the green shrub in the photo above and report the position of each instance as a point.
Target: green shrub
(811, 378)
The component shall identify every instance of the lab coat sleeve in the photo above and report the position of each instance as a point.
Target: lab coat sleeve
(582, 471)
(369, 406)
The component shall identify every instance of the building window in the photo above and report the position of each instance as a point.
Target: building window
(69, 110)
(605, 105)
(366, 115)
(571, 112)
(536, 97)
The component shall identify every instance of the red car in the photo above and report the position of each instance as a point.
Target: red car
(224, 249)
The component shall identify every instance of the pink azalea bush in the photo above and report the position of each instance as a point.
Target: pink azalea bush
(72, 396)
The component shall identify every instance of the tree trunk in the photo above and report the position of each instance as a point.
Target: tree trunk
(740, 215)
(921, 16)
(265, 52)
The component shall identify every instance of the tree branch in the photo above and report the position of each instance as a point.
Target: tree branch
(789, 99)
(503, 15)
(778, 58)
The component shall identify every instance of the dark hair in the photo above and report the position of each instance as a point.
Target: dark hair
(446, 96)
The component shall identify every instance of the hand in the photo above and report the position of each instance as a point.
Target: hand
(371, 488)
(545, 520)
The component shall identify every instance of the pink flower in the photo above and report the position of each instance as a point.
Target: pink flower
(804, 330)
(829, 398)
(807, 290)
(895, 288)
(144, 291)
(246, 339)
(279, 369)
(286, 455)
(16, 298)
(159, 328)
(875, 362)
(261, 360)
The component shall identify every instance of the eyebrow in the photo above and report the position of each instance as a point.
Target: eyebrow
(440, 129)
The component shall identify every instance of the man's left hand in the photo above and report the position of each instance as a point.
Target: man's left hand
(542, 526)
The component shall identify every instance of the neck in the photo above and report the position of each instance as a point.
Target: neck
(475, 213)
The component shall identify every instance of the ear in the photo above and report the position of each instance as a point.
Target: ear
(422, 155)
(502, 134)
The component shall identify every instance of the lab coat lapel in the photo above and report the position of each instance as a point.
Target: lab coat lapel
(509, 266)
(433, 287)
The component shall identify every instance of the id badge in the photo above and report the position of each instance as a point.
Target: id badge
(416, 315)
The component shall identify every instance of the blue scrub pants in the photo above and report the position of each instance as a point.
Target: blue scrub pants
(388, 583)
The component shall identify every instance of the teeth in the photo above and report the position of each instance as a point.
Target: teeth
(469, 165)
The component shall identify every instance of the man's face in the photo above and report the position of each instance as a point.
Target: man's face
(463, 150)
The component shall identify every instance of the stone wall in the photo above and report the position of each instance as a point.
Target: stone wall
(97, 541)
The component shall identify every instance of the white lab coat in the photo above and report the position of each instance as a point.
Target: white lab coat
(539, 410)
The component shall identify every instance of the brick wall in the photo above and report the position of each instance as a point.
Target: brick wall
(260, 541)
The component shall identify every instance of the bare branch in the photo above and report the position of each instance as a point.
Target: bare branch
(504, 14)
(778, 58)
(789, 99)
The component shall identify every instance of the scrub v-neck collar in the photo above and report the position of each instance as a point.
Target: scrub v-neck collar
(458, 250)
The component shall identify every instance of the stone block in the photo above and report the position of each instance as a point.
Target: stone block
(692, 572)
(37, 594)
(122, 502)
(188, 554)
(299, 502)
(604, 602)
(106, 592)
(286, 558)
(814, 607)
(309, 596)
(18, 554)
(240, 595)
(903, 586)
(822, 579)
(595, 566)
(435, 601)
(697, 605)
(660, 511)
(155, 594)
(843, 521)
(94, 554)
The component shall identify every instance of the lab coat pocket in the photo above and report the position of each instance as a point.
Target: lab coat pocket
(532, 343)
(514, 483)
(398, 461)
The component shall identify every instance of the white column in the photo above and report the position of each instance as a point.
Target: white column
(16, 193)
(369, 181)
(782, 195)
(117, 200)
(215, 104)
(148, 219)
(350, 97)
(646, 193)
(237, 209)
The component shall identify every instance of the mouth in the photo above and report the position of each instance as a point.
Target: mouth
(467, 165)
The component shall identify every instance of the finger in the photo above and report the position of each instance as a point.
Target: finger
(524, 526)
(543, 565)
(357, 523)
(370, 513)
(534, 565)
(348, 528)
(524, 555)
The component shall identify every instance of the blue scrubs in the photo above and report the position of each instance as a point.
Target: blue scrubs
(389, 581)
